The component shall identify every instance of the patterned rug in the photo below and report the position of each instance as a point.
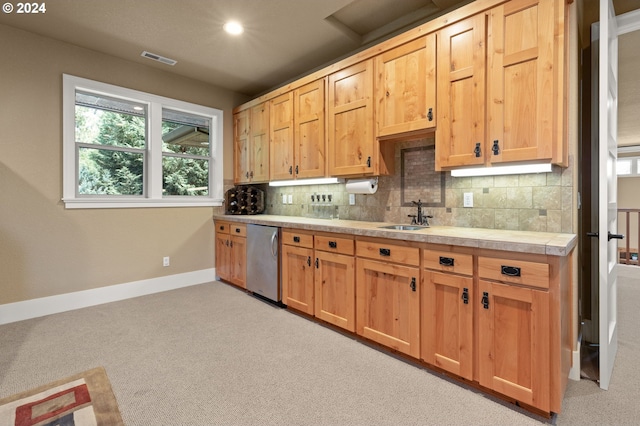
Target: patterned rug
(83, 399)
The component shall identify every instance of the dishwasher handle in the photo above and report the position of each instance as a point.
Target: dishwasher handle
(274, 243)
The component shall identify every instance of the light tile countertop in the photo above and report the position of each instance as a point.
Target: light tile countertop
(549, 243)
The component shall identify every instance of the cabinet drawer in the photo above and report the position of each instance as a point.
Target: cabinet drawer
(334, 244)
(238, 229)
(222, 227)
(448, 262)
(532, 274)
(383, 250)
(296, 238)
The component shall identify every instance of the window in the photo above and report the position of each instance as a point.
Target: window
(628, 167)
(124, 148)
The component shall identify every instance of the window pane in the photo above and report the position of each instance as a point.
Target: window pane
(185, 176)
(623, 167)
(184, 133)
(103, 171)
(107, 121)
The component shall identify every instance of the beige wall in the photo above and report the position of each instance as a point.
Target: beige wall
(46, 250)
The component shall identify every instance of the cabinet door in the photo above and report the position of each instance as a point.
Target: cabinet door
(513, 341)
(406, 87)
(460, 138)
(281, 145)
(521, 101)
(350, 140)
(309, 121)
(238, 249)
(335, 289)
(447, 322)
(388, 305)
(241, 151)
(297, 278)
(259, 170)
(223, 257)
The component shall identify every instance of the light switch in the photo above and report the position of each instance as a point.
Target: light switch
(468, 199)
(284, 198)
(352, 199)
(290, 198)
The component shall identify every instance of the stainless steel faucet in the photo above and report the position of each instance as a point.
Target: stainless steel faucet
(420, 218)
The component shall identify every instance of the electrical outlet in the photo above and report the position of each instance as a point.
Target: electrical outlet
(468, 199)
(290, 198)
(165, 261)
(352, 199)
(284, 198)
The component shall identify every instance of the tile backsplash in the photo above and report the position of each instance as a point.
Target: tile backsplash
(528, 202)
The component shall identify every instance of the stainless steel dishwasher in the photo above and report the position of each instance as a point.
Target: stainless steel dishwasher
(263, 261)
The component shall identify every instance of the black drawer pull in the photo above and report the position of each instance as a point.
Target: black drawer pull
(237, 230)
(510, 271)
(446, 261)
(221, 227)
(333, 244)
(296, 239)
(385, 252)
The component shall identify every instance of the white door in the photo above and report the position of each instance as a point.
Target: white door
(608, 209)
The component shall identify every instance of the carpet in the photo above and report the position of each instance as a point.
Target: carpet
(79, 400)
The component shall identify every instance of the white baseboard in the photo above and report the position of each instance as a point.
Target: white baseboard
(574, 373)
(18, 311)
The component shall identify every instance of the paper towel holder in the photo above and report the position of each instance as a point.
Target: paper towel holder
(371, 182)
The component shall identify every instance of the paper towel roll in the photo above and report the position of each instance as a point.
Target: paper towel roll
(362, 186)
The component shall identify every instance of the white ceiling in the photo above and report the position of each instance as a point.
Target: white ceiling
(282, 40)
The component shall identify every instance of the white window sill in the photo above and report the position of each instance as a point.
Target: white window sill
(138, 203)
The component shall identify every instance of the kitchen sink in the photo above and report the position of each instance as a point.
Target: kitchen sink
(404, 227)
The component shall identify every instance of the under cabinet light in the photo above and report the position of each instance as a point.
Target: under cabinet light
(502, 170)
(297, 182)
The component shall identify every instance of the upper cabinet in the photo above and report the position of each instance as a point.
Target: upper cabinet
(297, 147)
(281, 147)
(518, 116)
(522, 105)
(309, 134)
(406, 88)
(460, 138)
(350, 140)
(251, 145)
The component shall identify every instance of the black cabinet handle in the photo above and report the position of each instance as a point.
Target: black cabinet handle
(385, 252)
(495, 148)
(333, 244)
(296, 239)
(446, 261)
(368, 161)
(510, 271)
(430, 114)
(317, 263)
(237, 230)
(221, 227)
(290, 170)
(465, 296)
(413, 284)
(296, 170)
(309, 261)
(477, 150)
(485, 300)
(227, 243)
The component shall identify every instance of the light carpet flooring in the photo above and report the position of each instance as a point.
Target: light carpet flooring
(213, 355)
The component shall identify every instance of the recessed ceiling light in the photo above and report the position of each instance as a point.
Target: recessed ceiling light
(233, 27)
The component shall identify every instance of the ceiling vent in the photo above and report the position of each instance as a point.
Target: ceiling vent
(159, 58)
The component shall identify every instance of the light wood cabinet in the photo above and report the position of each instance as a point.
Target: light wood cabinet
(387, 295)
(460, 138)
(520, 108)
(298, 270)
(514, 333)
(281, 153)
(447, 311)
(251, 145)
(231, 252)
(309, 136)
(521, 97)
(335, 300)
(406, 88)
(352, 146)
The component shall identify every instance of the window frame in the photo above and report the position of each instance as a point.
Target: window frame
(153, 150)
(634, 162)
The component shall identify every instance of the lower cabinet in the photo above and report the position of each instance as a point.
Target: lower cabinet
(514, 331)
(231, 252)
(447, 311)
(297, 270)
(335, 300)
(387, 295)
